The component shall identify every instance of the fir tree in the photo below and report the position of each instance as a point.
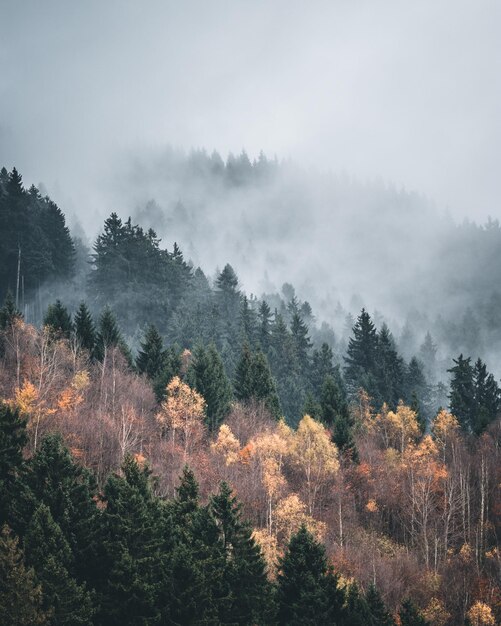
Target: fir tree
(150, 359)
(109, 336)
(49, 553)
(21, 594)
(389, 370)
(245, 568)
(207, 376)
(301, 342)
(379, 615)
(13, 438)
(307, 592)
(361, 359)
(9, 312)
(58, 319)
(410, 615)
(487, 398)
(85, 332)
(264, 332)
(462, 392)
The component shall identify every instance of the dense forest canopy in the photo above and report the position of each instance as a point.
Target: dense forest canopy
(187, 452)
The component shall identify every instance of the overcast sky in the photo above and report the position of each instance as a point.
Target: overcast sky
(405, 90)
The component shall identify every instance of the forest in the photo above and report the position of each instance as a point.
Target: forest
(177, 451)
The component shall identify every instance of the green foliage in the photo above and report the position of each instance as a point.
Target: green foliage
(9, 312)
(109, 336)
(253, 380)
(13, 438)
(410, 615)
(21, 594)
(206, 375)
(85, 331)
(58, 320)
(307, 592)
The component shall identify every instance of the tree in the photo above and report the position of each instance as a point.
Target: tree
(410, 615)
(9, 312)
(245, 568)
(58, 319)
(361, 356)
(109, 336)
(150, 359)
(264, 329)
(487, 397)
(307, 592)
(253, 380)
(417, 392)
(13, 438)
(462, 392)
(379, 615)
(21, 595)
(85, 331)
(390, 370)
(206, 374)
(301, 342)
(50, 554)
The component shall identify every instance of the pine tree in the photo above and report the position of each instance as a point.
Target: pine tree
(379, 615)
(58, 319)
(207, 376)
(13, 438)
(21, 594)
(245, 568)
(264, 333)
(150, 359)
(462, 392)
(9, 312)
(307, 592)
(410, 615)
(361, 359)
(49, 553)
(85, 332)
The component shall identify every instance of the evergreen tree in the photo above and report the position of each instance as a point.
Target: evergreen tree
(21, 594)
(301, 342)
(389, 370)
(207, 376)
(9, 312)
(462, 392)
(356, 608)
(361, 359)
(264, 333)
(332, 401)
(321, 367)
(417, 392)
(150, 359)
(410, 615)
(85, 332)
(109, 336)
(247, 322)
(487, 397)
(253, 380)
(58, 319)
(245, 568)
(13, 438)
(379, 615)
(49, 553)
(307, 592)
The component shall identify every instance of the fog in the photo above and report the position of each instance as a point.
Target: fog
(384, 116)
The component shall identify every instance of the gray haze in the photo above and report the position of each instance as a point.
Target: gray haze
(397, 95)
(408, 91)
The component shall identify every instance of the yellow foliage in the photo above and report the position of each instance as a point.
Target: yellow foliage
(372, 506)
(81, 380)
(182, 404)
(26, 398)
(269, 548)
(400, 427)
(291, 513)
(445, 425)
(313, 448)
(436, 613)
(227, 445)
(68, 399)
(273, 480)
(480, 614)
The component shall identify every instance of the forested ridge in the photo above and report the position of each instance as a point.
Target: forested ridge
(175, 451)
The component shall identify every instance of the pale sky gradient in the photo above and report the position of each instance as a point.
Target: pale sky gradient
(407, 91)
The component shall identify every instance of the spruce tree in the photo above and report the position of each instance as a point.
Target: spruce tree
(410, 615)
(307, 592)
(264, 332)
(58, 319)
(9, 312)
(321, 367)
(85, 331)
(301, 342)
(13, 438)
(361, 357)
(49, 553)
(379, 615)
(109, 336)
(21, 594)
(207, 376)
(357, 611)
(243, 374)
(462, 392)
(244, 568)
(487, 398)
(389, 370)
(417, 392)
(150, 359)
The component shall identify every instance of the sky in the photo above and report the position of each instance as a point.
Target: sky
(409, 92)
